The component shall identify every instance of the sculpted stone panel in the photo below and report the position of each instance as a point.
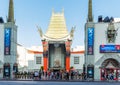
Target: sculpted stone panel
(107, 56)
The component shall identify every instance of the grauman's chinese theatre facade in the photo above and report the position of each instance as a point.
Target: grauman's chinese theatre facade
(56, 44)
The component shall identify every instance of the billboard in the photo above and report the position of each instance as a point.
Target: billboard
(7, 41)
(90, 49)
(109, 48)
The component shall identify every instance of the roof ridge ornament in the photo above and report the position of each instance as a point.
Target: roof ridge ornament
(53, 11)
(72, 32)
(62, 10)
(40, 31)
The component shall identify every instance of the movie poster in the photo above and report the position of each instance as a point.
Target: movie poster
(7, 41)
(90, 50)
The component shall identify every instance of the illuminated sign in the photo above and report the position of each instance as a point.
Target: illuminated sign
(109, 48)
(90, 72)
(7, 41)
(90, 50)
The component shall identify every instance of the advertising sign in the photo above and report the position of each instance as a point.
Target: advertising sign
(7, 41)
(6, 71)
(90, 50)
(90, 72)
(109, 48)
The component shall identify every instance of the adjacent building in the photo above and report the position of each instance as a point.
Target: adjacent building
(8, 45)
(31, 59)
(102, 47)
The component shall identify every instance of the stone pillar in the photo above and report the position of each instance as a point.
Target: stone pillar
(67, 44)
(45, 55)
(11, 71)
(45, 63)
(67, 63)
(97, 73)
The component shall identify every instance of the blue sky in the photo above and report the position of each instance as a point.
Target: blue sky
(29, 13)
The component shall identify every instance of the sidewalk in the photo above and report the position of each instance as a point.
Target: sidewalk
(57, 80)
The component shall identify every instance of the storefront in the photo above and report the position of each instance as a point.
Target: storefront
(102, 47)
(110, 70)
(110, 73)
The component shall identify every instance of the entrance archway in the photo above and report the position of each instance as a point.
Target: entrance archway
(110, 69)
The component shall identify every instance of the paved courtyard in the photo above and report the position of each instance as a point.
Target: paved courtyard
(55, 83)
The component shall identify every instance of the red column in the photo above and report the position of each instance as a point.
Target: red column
(67, 43)
(45, 64)
(67, 63)
(45, 55)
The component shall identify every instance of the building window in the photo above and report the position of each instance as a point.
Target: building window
(38, 60)
(76, 60)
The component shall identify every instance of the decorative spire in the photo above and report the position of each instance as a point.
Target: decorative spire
(63, 10)
(52, 10)
(90, 17)
(11, 12)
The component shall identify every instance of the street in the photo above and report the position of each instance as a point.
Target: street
(55, 83)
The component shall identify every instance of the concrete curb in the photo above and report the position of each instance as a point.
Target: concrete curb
(55, 80)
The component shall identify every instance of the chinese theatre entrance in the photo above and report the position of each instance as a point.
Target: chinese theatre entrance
(110, 70)
(56, 43)
(57, 55)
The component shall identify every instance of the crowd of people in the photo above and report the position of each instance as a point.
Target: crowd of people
(109, 76)
(50, 75)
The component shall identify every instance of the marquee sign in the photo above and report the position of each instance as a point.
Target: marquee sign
(90, 50)
(109, 48)
(7, 41)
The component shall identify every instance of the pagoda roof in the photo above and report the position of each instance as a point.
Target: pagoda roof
(57, 28)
